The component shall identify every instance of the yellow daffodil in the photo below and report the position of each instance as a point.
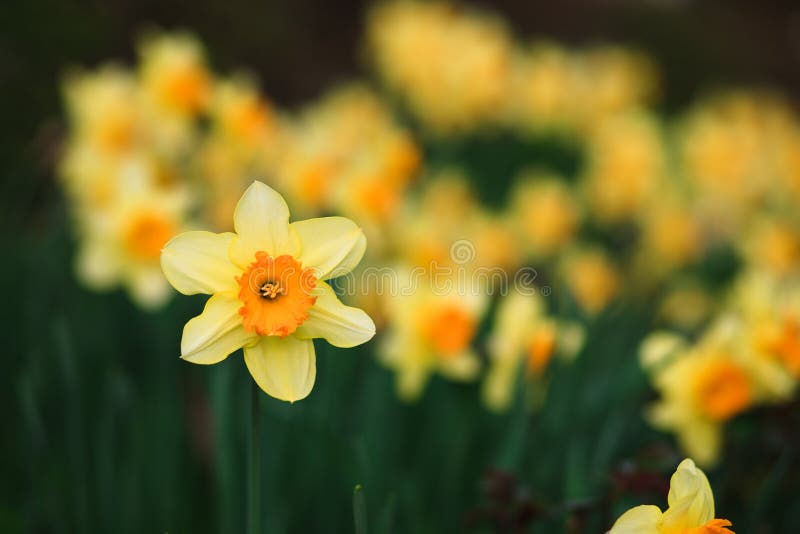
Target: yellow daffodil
(431, 329)
(121, 243)
(545, 214)
(592, 278)
(268, 291)
(524, 339)
(104, 109)
(773, 244)
(625, 165)
(451, 65)
(612, 80)
(769, 310)
(690, 511)
(174, 75)
(704, 385)
(347, 154)
(543, 80)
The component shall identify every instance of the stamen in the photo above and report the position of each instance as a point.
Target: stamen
(271, 290)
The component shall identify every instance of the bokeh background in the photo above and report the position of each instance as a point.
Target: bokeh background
(107, 431)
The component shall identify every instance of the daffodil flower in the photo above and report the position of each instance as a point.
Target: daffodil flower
(268, 291)
(691, 508)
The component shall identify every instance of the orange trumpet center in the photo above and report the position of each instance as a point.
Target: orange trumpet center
(540, 351)
(147, 234)
(715, 526)
(449, 329)
(723, 390)
(275, 295)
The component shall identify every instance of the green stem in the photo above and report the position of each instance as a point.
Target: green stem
(254, 461)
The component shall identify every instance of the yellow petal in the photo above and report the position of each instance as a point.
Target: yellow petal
(97, 264)
(462, 367)
(691, 503)
(702, 440)
(198, 262)
(340, 325)
(147, 286)
(261, 221)
(411, 381)
(332, 246)
(639, 520)
(499, 385)
(214, 334)
(284, 368)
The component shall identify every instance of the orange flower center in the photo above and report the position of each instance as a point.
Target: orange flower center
(378, 198)
(249, 120)
(187, 89)
(449, 330)
(723, 390)
(147, 235)
(275, 295)
(540, 351)
(715, 526)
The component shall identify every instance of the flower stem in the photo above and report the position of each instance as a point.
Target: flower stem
(254, 463)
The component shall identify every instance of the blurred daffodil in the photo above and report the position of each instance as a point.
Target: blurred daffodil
(702, 386)
(121, 244)
(431, 329)
(268, 291)
(523, 341)
(593, 279)
(544, 214)
(690, 511)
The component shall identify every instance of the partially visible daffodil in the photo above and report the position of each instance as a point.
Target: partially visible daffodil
(524, 339)
(121, 244)
(268, 293)
(431, 329)
(592, 277)
(690, 511)
(702, 386)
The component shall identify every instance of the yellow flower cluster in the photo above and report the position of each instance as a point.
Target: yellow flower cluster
(153, 152)
(459, 69)
(345, 154)
(453, 66)
(149, 149)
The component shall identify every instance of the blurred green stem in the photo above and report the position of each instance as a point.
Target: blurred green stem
(254, 461)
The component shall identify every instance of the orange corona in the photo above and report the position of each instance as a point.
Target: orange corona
(449, 330)
(275, 295)
(715, 526)
(723, 390)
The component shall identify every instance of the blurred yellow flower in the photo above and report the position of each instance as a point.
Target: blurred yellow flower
(769, 310)
(544, 213)
(612, 81)
(625, 165)
(174, 75)
(347, 154)
(773, 244)
(445, 215)
(690, 511)
(542, 88)
(451, 65)
(592, 278)
(104, 109)
(524, 340)
(121, 244)
(704, 385)
(430, 329)
(268, 293)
